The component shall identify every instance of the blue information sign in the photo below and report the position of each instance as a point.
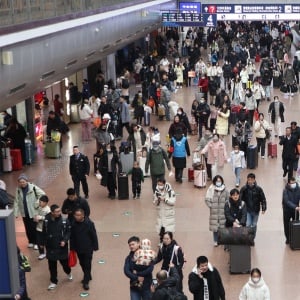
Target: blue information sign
(209, 20)
(192, 7)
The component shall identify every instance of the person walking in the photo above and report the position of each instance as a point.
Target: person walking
(124, 116)
(79, 168)
(238, 162)
(84, 241)
(56, 231)
(255, 199)
(215, 198)
(255, 288)
(261, 127)
(138, 291)
(290, 205)
(85, 115)
(179, 150)
(276, 111)
(251, 105)
(164, 200)
(205, 281)
(137, 177)
(156, 159)
(289, 152)
(74, 202)
(222, 123)
(26, 205)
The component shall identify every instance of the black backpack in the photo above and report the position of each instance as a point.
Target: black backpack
(173, 294)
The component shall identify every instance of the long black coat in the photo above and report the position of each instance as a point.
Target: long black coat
(289, 150)
(103, 167)
(79, 167)
(84, 237)
(271, 111)
(55, 231)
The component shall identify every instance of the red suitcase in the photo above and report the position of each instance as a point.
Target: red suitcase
(272, 149)
(191, 174)
(16, 158)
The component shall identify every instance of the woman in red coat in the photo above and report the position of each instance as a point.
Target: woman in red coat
(203, 85)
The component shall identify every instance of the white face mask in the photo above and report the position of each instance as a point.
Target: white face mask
(179, 113)
(215, 139)
(236, 151)
(255, 280)
(218, 183)
(293, 185)
(160, 187)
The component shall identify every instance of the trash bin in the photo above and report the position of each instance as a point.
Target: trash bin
(74, 113)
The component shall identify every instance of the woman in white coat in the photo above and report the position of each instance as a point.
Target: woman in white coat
(85, 114)
(255, 288)
(164, 200)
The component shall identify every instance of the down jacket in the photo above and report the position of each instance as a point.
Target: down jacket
(165, 201)
(215, 199)
(259, 291)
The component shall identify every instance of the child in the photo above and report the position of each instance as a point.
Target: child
(136, 178)
(43, 210)
(213, 119)
(237, 160)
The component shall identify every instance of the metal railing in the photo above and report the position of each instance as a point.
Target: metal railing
(15, 12)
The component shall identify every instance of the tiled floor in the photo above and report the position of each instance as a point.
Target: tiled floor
(280, 265)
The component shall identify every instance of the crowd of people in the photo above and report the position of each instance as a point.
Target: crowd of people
(229, 94)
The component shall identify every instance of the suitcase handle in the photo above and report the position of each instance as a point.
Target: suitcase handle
(296, 211)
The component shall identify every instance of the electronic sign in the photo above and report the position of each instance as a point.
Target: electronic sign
(190, 7)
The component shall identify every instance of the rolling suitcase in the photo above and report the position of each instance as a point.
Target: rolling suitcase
(252, 157)
(233, 117)
(16, 159)
(295, 234)
(190, 174)
(277, 82)
(199, 96)
(52, 149)
(200, 178)
(29, 153)
(126, 161)
(123, 189)
(146, 118)
(239, 259)
(272, 149)
(6, 159)
(161, 111)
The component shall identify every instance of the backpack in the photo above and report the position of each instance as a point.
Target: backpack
(173, 294)
(24, 263)
(175, 253)
(125, 83)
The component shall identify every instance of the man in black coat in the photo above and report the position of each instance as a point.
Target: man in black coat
(74, 202)
(56, 231)
(289, 152)
(79, 168)
(84, 241)
(205, 281)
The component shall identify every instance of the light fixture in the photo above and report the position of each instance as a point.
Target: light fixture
(7, 58)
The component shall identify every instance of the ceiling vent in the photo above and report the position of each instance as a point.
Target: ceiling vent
(17, 89)
(70, 64)
(46, 75)
(90, 54)
(118, 41)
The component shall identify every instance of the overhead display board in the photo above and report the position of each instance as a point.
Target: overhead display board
(252, 12)
(190, 7)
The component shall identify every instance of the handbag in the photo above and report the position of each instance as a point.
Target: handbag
(236, 236)
(72, 259)
(294, 88)
(284, 88)
(268, 134)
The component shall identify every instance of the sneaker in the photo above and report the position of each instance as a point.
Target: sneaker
(86, 197)
(237, 185)
(35, 247)
(133, 196)
(86, 286)
(52, 286)
(42, 256)
(216, 244)
(70, 277)
(30, 245)
(138, 197)
(262, 157)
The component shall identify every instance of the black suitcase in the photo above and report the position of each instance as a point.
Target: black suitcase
(233, 117)
(239, 259)
(295, 233)
(277, 82)
(123, 189)
(252, 157)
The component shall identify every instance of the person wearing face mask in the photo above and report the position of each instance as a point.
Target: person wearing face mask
(251, 105)
(255, 199)
(156, 160)
(138, 105)
(184, 119)
(202, 113)
(238, 162)
(205, 281)
(215, 199)
(176, 126)
(260, 128)
(216, 154)
(289, 78)
(276, 111)
(255, 288)
(164, 199)
(290, 205)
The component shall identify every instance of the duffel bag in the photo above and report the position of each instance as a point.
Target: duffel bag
(236, 236)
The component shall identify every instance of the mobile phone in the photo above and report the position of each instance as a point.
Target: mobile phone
(154, 282)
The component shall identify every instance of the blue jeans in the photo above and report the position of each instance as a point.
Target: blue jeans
(215, 236)
(252, 219)
(140, 295)
(237, 172)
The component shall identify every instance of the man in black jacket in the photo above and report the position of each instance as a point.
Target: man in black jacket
(72, 203)
(56, 231)
(289, 152)
(166, 285)
(255, 199)
(205, 281)
(84, 241)
(79, 168)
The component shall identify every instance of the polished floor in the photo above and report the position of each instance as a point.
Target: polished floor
(117, 220)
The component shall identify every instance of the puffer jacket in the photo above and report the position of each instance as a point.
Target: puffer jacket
(32, 198)
(250, 102)
(260, 130)
(165, 204)
(253, 290)
(215, 199)
(156, 160)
